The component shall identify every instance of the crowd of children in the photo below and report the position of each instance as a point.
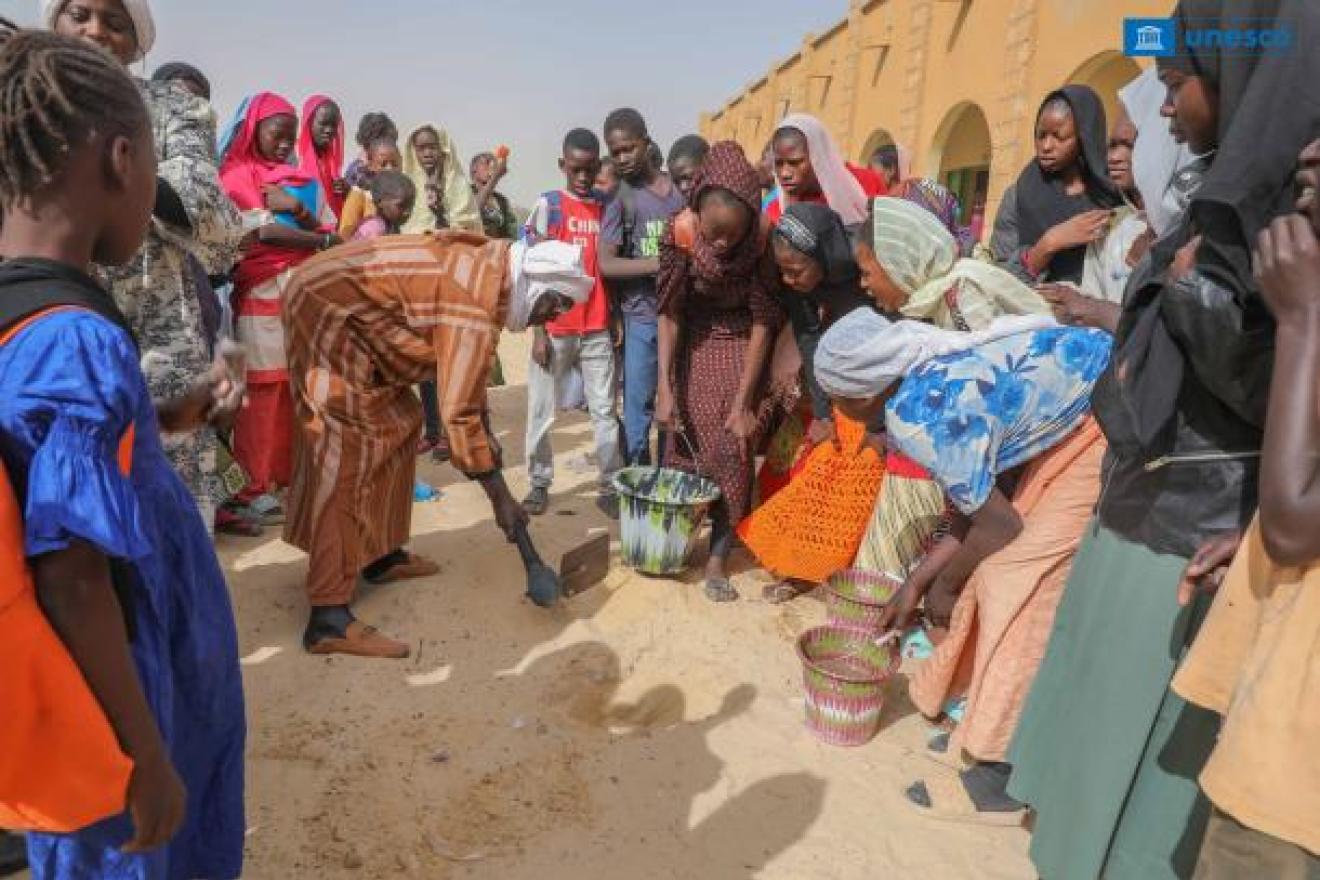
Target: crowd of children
(1063, 448)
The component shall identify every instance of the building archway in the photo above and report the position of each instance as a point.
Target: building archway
(879, 138)
(1106, 72)
(960, 156)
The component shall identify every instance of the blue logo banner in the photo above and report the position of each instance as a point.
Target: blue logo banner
(1164, 37)
(1150, 37)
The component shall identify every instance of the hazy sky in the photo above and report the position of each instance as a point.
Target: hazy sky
(517, 72)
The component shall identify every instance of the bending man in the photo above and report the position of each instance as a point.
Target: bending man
(365, 322)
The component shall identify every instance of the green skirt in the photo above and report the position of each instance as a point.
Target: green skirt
(1105, 753)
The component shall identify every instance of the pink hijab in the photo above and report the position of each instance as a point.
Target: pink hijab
(243, 170)
(326, 168)
(843, 193)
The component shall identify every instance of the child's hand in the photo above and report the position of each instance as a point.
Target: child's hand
(1185, 260)
(228, 385)
(741, 423)
(541, 351)
(278, 200)
(666, 413)
(1206, 571)
(1084, 228)
(1287, 268)
(157, 802)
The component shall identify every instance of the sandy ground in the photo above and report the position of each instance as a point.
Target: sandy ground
(636, 732)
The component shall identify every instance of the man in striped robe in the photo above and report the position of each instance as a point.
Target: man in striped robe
(364, 323)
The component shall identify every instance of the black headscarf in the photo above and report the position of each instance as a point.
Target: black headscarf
(818, 232)
(1267, 113)
(1269, 109)
(1041, 200)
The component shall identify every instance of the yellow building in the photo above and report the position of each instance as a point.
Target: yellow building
(957, 82)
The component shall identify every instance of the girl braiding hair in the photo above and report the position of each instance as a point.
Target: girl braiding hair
(54, 92)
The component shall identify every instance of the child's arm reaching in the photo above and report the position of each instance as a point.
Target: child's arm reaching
(615, 267)
(75, 592)
(1287, 261)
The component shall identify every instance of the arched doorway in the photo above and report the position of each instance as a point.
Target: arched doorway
(879, 138)
(960, 151)
(1107, 73)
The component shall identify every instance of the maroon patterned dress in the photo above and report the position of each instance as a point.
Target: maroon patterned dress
(717, 300)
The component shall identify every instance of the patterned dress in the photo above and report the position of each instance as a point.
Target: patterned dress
(158, 291)
(716, 299)
(971, 416)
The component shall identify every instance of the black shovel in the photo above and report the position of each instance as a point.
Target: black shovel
(581, 568)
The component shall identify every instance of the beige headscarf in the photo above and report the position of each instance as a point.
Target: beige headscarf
(144, 26)
(460, 207)
(921, 257)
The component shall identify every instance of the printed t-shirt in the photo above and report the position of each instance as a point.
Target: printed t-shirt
(652, 208)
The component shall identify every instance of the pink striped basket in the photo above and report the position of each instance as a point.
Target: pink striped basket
(854, 597)
(844, 670)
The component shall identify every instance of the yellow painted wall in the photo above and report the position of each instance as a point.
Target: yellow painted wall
(907, 69)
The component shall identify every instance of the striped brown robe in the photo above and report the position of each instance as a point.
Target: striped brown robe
(364, 323)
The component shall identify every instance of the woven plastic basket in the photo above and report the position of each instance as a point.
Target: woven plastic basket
(844, 671)
(858, 598)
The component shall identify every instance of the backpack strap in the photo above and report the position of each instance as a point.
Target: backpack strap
(554, 215)
(124, 454)
(554, 219)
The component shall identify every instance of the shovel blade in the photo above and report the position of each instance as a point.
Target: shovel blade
(585, 565)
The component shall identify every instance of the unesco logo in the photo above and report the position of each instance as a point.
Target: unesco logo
(1162, 37)
(1150, 37)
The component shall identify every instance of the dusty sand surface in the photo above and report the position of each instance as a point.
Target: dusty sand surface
(636, 732)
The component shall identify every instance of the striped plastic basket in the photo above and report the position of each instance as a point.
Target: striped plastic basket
(844, 670)
(854, 597)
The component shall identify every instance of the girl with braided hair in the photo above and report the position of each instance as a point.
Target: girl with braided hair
(121, 561)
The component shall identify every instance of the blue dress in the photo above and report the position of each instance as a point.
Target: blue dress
(971, 416)
(72, 388)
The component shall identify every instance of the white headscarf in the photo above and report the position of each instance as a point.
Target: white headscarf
(841, 190)
(548, 267)
(864, 353)
(921, 257)
(1156, 156)
(144, 26)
